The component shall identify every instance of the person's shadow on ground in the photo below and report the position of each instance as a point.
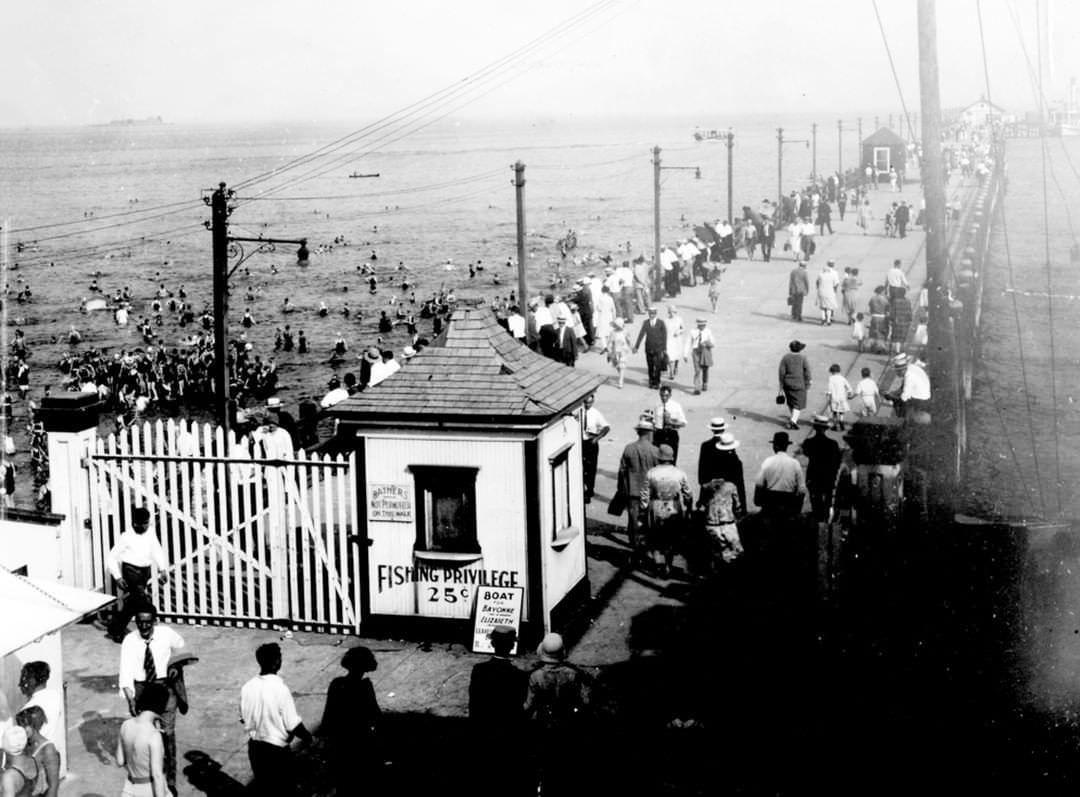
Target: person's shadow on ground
(205, 774)
(100, 735)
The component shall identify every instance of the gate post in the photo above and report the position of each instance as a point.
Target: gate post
(70, 421)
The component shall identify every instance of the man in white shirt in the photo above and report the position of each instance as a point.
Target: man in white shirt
(515, 323)
(914, 393)
(32, 683)
(133, 562)
(144, 659)
(271, 720)
(781, 483)
(896, 278)
(668, 419)
(594, 427)
(687, 252)
(337, 393)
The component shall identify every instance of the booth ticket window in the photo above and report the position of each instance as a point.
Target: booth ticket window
(560, 490)
(446, 509)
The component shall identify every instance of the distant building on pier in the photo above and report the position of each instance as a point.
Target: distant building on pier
(982, 112)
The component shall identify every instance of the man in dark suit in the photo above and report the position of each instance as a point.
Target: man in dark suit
(767, 236)
(902, 217)
(654, 333)
(637, 458)
(497, 691)
(565, 343)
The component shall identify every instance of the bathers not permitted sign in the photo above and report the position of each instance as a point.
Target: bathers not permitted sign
(495, 606)
(392, 502)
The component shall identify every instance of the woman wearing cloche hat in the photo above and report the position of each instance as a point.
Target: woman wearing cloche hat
(557, 704)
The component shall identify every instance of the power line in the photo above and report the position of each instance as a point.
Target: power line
(397, 135)
(436, 98)
(192, 203)
(896, 78)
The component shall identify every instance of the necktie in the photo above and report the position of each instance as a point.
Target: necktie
(148, 664)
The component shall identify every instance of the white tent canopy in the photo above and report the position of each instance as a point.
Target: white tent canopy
(32, 608)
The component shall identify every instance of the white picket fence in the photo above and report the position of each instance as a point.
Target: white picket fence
(250, 541)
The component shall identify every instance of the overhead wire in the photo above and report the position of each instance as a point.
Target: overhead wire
(91, 226)
(438, 98)
(398, 135)
(93, 219)
(896, 77)
(1015, 307)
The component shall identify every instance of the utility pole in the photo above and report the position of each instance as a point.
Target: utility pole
(519, 192)
(219, 215)
(941, 353)
(813, 162)
(840, 146)
(656, 215)
(779, 172)
(729, 139)
(860, 141)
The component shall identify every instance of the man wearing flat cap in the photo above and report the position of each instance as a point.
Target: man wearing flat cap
(666, 499)
(634, 464)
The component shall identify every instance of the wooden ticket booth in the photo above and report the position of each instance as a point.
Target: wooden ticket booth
(469, 473)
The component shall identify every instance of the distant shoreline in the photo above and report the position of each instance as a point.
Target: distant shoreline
(149, 120)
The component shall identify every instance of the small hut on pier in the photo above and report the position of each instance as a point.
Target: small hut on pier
(882, 149)
(469, 465)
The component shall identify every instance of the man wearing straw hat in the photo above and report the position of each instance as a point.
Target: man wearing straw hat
(717, 459)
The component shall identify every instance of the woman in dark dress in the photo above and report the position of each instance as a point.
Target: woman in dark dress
(349, 724)
(794, 374)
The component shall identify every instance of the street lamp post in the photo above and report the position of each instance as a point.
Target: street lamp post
(729, 139)
(780, 142)
(657, 168)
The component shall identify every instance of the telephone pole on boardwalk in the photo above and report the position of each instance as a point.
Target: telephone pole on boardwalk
(941, 458)
(219, 220)
(519, 193)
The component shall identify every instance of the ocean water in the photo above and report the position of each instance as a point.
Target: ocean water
(444, 193)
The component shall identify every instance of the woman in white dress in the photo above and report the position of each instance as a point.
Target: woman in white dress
(827, 283)
(676, 339)
(603, 315)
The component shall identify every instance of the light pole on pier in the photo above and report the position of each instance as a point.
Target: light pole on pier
(657, 168)
(859, 144)
(813, 161)
(840, 130)
(729, 139)
(780, 141)
(519, 192)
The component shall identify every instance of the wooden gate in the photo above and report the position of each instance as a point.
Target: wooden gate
(251, 542)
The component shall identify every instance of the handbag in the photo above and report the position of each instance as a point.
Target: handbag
(780, 398)
(617, 505)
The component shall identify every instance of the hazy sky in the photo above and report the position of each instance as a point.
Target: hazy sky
(87, 61)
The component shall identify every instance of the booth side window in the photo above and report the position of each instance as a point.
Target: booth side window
(446, 516)
(560, 491)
